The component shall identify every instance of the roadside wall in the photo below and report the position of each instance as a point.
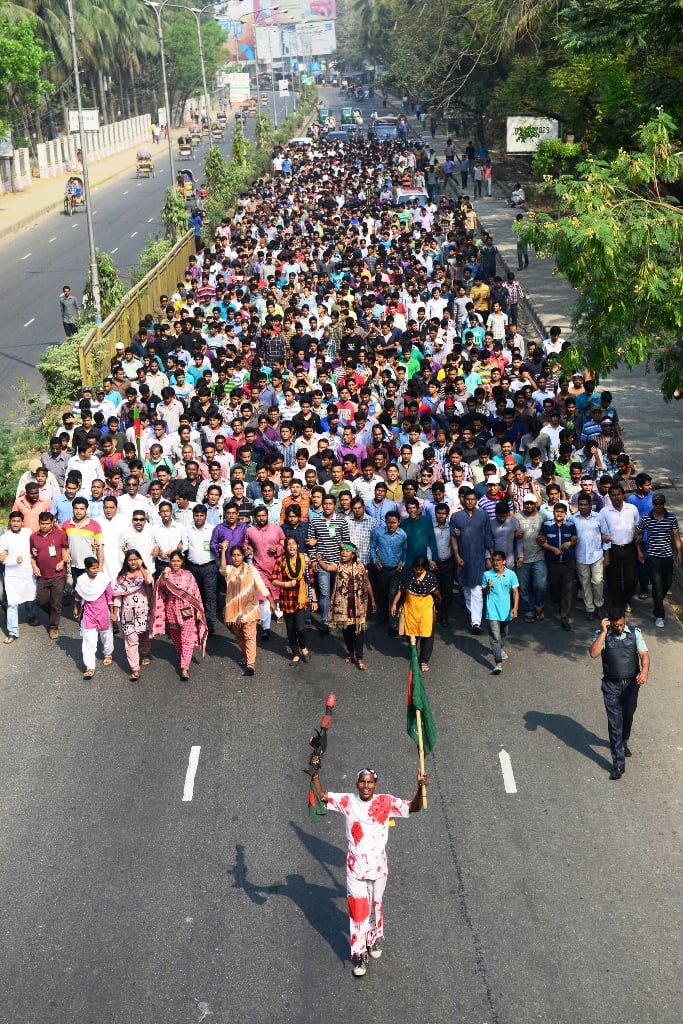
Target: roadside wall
(58, 157)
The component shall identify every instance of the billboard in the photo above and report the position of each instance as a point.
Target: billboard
(543, 128)
(266, 12)
(236, 18)
(278, 41)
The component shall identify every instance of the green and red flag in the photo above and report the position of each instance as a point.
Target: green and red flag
(137, 428)
(418, 701)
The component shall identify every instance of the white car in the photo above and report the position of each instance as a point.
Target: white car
(300, 142)
(409, 195)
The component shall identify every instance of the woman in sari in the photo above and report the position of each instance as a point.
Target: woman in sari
(420, 590)
(244, 588)
(178, 607)
(349, 603)
(293, 573)
(132, 610)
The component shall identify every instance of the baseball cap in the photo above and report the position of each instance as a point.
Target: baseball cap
(529, 497)
(119, 345)
(34, 465)
(492, 480)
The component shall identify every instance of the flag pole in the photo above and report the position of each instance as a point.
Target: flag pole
(420, 742)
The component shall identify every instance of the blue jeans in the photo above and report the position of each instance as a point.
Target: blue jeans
(13, 616)
(325, 585)
(498, 632)
(264, 609)
(533, 582)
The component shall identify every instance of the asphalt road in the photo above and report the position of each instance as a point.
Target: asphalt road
(40, 260)
(557, 903)
(122, 902)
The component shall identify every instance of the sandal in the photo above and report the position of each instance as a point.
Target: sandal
(10, 639)
(89, 673)
(295, 660)
(134, 676)
(306, 656)
(540, 614)
(349, 660)
(360, 664)
(107, 660)
(146, 661)
(185, 674)
(529, 618)
(424, 667)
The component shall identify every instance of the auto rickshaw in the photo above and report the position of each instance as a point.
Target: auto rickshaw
(323, 114)
(217, 133)
(195, 137)
(144, 164)
(74, 195)
(185, 147)
(222, 118)
(186, 183)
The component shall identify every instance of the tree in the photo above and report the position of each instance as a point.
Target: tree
(22, 63)
(621, 246)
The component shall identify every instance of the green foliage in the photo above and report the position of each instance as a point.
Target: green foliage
(621, 247)
(555, 157)
(9, 473)
(154, 251)
(182, 52)
(60, 369)
(174, 215)
(241, 149)
(112, 287)
(263, 131)
(22, 63)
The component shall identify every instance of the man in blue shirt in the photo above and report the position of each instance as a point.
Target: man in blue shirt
(501, 588)
(388, 547)
(558, 539)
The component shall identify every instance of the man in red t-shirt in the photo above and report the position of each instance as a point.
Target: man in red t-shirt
(49, 559)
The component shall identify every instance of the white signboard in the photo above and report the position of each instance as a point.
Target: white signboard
(91, 120)
(161, 117)
(277, 41)
(283, 86)
(544, 128)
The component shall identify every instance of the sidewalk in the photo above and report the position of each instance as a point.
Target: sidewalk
(21, 210)
(652, 427)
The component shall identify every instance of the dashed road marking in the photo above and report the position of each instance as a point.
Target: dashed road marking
(29, 322)
(53, 239)
(114, 250)
(188, 790)
(508, 774)
(134, 234)
(150, 220)
(27, 255)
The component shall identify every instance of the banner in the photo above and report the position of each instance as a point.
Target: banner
(265, 12)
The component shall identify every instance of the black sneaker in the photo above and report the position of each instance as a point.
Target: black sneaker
(265, 635)
(324, 629)
(375, 951)
(360, 964)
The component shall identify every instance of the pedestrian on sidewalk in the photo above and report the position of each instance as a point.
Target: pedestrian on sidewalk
(69, 308)
(625, 668)
(433, 125)
(487, 172)
(501, 591)
(522, 246)
(367, 817)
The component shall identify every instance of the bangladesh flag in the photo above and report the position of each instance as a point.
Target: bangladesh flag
(316, 808)
(137, 425)
(418, 701)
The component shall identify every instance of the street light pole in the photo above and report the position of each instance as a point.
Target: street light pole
(94, 275)
(158, 9)
(197, 13)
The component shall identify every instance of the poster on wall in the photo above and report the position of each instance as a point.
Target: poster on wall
(236, 18)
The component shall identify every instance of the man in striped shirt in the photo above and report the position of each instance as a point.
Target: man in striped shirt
(661, 527)
(329, 531)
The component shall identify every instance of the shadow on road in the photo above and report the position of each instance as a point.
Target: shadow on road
(570, 732)
(318, 903)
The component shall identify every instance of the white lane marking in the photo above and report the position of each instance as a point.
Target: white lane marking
(114, 250)
(508, 774)
(29, 322)
(134, 234)
(126, 192)
(188, 791)
(27, 255)
(150, 220)
(94, 213)
(53, 239)
(75, 225)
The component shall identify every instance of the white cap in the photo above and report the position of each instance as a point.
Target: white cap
(529, 497)
(492, 480)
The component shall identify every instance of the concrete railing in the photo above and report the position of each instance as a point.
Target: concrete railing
(58, 157)
(19, 167)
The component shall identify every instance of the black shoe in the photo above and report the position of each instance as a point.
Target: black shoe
(627, 750)
(324, 629)
(249, 670)
(265, 635)
(566, 626)
(616, 774)
(475, 630)
(393, 631)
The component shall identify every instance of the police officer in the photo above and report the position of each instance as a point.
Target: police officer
(625, 667)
